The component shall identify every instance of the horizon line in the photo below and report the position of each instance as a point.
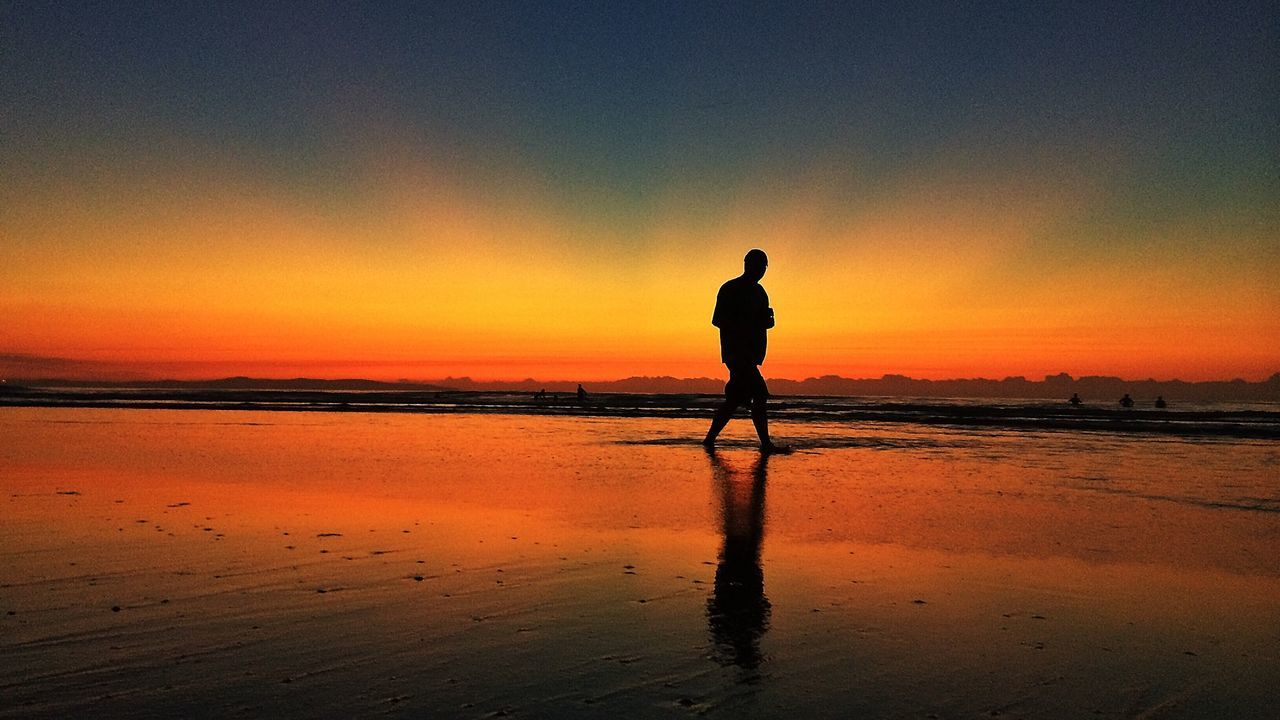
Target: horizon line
(36, 366)
(529, 379)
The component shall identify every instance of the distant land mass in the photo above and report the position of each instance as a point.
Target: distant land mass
(1094, 388)
(233, 383)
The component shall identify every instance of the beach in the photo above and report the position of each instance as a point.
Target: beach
(462, 563)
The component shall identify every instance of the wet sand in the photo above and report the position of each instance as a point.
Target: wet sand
(214, 563)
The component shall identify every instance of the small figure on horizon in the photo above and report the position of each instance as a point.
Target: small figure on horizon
(1126, 401)
(744, 317)
(582, 396)
(1160, 403)
(1075, 399)
(540, 395)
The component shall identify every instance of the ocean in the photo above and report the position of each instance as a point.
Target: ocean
(1181, 418)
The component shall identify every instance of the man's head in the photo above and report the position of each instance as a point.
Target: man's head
(754, 264)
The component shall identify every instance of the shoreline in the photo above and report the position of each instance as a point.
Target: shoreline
(999, 413)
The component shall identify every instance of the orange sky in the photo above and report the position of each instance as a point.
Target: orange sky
(174, 276)
(419, 209)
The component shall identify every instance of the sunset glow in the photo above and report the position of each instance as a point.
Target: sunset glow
(432, 196)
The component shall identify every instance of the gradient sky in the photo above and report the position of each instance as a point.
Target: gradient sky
(505, 190)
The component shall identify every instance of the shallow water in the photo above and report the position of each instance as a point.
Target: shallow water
(214, 563)
(1187, 419)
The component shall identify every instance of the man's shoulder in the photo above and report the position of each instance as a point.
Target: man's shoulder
(739, 285)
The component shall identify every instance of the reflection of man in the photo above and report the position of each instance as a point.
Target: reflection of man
(738, 611)
(743, 315)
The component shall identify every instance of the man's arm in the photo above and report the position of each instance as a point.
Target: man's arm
(720, 316)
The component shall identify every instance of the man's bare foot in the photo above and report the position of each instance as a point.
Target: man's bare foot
(769, 448)
(708, 442)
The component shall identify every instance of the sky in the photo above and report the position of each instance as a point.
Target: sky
(556, 190)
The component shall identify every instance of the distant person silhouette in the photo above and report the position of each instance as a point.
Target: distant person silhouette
(1075, 399)
(743, 315)
(540, 395)
(1160, 403)
(582, 396)
(1126, 401)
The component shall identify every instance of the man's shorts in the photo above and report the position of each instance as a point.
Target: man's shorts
(745, 383)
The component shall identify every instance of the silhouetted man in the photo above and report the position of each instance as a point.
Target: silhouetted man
(743, 315)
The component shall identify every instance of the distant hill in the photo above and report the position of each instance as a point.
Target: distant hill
(1092, 389)
(1096, 388)
(235, 383)
(665, 385)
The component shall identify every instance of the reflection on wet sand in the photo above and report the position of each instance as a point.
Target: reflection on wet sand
(224, 563)
(737, 610)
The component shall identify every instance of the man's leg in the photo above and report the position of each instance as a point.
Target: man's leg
(760, 418)
(721, 418)
(732, 399)
(760, 414)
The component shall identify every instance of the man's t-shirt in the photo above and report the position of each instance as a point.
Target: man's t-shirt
(742, 314)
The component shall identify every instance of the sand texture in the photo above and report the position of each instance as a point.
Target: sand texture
(223, 563)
